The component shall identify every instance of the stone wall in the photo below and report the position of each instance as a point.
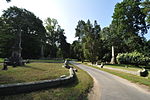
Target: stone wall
(8, 89)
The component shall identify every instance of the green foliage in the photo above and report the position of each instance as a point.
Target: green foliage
(8, 0)
(5, 38)
(31, 28)
(129, 18)
(129, 25)
(1, 60)
(146, 9)
(89, 37)
(134, 58)
(77, 51)
(56, 44)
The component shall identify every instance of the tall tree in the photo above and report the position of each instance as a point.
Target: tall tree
(31, 28)
(146, 9)
(5, 38)
(129, 18)
(77, 51)
(129, 23)
(56, 39)
(88, 35)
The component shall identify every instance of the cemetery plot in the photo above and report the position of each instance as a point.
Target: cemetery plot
(32, 72)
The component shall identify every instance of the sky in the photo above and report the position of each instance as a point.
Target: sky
(68, 12)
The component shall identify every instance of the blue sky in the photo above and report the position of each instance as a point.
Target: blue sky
(68, 12)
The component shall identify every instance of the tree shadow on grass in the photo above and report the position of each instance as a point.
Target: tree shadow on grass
(33, 68)
(9, 80)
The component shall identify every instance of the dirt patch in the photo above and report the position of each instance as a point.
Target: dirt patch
(144, 87)
(95, 93)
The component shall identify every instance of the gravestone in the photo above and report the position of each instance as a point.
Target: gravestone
(102, 65)
(5, 64)
(66, 64)
(143, 73)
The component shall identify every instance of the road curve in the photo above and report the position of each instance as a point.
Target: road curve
(111, 87)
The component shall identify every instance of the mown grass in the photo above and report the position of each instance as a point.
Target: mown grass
(77, 90)
(130, 77)
(130, 68)
(42, 60)
(32, 72)
(1, 60)
(125, 67)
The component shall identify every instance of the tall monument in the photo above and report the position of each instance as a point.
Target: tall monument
(16, 59)
(113, 56)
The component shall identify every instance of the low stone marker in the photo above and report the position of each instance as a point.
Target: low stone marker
(143, 73)
(102, 65)
(66, 64)
(5, 67)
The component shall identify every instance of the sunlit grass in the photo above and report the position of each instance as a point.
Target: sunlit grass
(1, 60)
(77, 90)
(130, 68)
(32, 72)
(43, 60)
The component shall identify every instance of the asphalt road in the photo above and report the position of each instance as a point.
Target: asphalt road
(111, 87)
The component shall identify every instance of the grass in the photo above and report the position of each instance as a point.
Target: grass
(32, 72)
(130, 68)
(122, 66)
(130, 77)
(1, 60)
(74, 91)
(43, 60)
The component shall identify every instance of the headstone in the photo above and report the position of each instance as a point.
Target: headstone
(5, 66)
(143, 73)
(66, 64)
(102, 65)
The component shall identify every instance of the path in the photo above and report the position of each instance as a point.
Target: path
(111, 87)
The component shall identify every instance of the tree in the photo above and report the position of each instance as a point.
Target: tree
(51, 26)
(129, 24)
(5, 38)
(88, 35)
(56, 39)
(77, 51)
(8, 0)
(31, 28)
(146, 9)
(129, 18)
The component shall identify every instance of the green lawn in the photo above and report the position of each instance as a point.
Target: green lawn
(73, 91)
(120, 66)
(1, 60)
(130, 67)
(41, 60)
(32, 72)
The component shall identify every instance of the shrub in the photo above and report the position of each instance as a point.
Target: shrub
(134, 58)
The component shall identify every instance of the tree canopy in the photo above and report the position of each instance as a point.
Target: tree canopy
(31, 28)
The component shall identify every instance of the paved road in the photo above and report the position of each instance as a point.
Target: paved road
(111, 87)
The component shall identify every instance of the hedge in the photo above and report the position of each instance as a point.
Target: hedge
(133, 58)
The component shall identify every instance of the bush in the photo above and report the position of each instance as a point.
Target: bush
(134, 58)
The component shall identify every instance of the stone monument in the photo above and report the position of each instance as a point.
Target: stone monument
(113, 56)
(16, 59)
